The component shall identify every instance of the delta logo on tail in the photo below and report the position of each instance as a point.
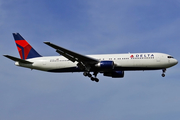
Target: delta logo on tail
(25, 49)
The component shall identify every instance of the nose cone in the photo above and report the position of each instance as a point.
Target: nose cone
(175, 61)
(172, 62)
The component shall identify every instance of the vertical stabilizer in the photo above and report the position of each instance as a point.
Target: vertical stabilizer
(26, 51)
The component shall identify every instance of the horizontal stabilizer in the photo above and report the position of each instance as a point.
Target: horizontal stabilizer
(17, 59)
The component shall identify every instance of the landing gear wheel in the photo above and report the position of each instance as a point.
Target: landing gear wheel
(163, 75)
(85, 74)
(93, 79)
(89, 75)
(96, 79)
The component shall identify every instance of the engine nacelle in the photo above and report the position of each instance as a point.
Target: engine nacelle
(115, 74)
(105, 65)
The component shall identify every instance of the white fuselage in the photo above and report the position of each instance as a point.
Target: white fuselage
(131, 61)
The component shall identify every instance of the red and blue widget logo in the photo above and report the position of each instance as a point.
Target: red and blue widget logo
(132, 56)
(24, 48)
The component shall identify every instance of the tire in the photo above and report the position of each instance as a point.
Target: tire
(163, 75)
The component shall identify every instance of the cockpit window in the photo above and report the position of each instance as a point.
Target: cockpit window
(170, 57)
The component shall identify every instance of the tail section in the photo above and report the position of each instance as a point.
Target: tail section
(24, 48)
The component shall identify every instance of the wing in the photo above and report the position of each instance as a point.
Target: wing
(73, 56)
(17, 59)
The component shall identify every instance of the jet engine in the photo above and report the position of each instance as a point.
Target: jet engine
(105, 65)
(114, 74)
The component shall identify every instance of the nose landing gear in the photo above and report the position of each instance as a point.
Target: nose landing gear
(163, 74)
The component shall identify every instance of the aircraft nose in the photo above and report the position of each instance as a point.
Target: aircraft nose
(175, 61)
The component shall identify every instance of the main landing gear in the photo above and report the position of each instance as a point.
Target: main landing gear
(90, 76)
(163, 74)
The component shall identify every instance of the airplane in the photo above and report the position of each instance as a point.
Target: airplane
(110, 65)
